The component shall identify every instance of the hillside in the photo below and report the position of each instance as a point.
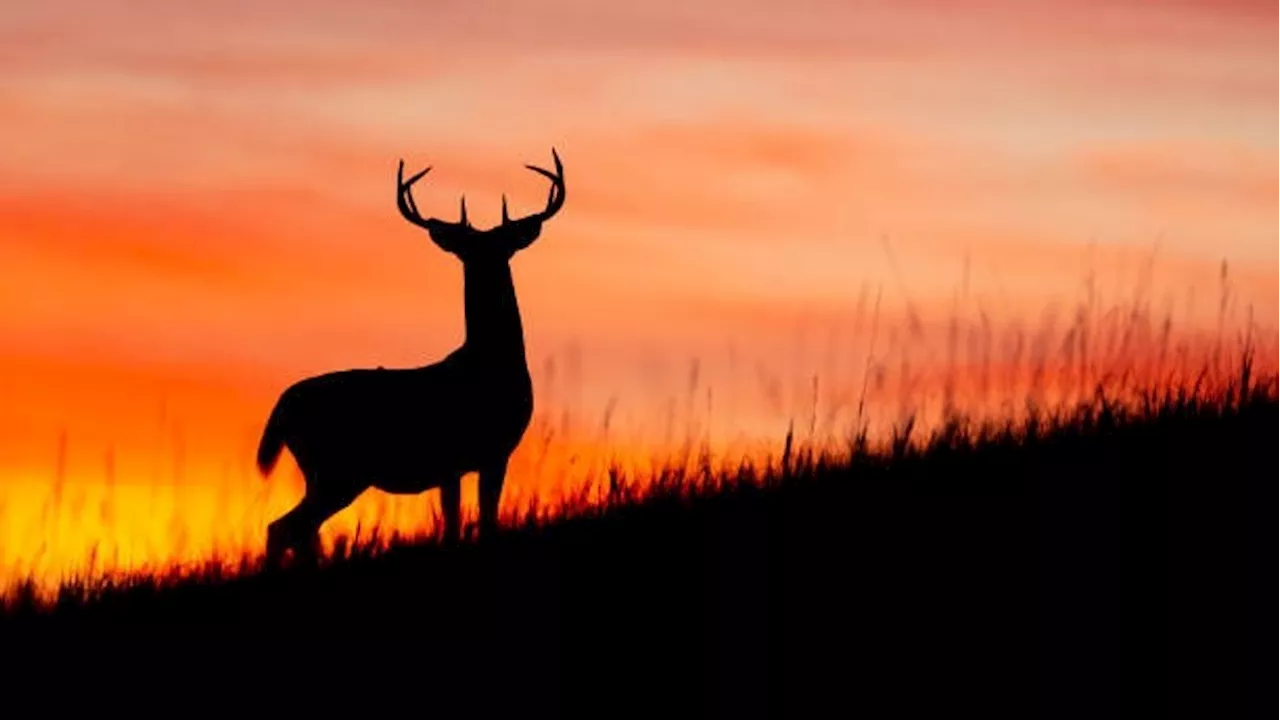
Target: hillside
(1104, 562)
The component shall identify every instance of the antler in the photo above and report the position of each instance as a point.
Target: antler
(409, 208)
(555, 198)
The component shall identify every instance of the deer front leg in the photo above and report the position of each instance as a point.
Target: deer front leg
(450, 508)
(491, 480)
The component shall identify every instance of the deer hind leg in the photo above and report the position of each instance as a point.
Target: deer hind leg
(281, 534)
(299, 529)
(491, 481)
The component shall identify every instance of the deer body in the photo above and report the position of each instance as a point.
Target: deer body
(408, 430)
(404, 430)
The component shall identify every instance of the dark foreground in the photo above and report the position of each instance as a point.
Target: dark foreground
(1105, 567)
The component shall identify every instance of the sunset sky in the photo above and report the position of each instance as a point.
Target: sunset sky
(196, 199)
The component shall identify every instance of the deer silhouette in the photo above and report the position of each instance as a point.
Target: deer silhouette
(408, 430)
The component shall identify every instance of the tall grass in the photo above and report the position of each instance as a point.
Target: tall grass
(884, 380)
(906, 452)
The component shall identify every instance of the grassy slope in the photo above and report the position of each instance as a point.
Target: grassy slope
(1105, 566)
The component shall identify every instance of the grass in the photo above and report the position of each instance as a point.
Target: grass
(107, 509)
(1092, 541)
(1110, 558)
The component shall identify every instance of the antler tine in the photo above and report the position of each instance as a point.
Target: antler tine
(505, 218)
(463, 204)
(555, 198)
(404, 195)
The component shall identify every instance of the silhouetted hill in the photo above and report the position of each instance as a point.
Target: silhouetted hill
(1103, 563)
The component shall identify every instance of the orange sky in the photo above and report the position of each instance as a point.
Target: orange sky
(196, 199)
(196, 210)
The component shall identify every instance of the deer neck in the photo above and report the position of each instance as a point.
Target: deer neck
(494, 333)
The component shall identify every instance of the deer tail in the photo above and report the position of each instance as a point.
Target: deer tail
(272, 440)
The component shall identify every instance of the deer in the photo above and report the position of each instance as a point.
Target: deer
(409, 430)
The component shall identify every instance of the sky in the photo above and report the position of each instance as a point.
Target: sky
(196, 200)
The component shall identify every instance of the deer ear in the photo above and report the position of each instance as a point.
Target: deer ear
(522, 233)
(446, 236)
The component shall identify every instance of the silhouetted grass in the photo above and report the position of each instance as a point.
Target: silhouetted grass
(144, 510)
(1109, 558)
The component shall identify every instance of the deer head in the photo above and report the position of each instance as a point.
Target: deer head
(470, 244)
